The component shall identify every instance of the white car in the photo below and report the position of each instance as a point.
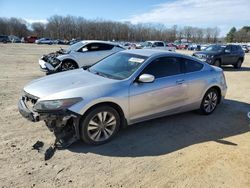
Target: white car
(81, 54)
(158, 45)
(45, 41)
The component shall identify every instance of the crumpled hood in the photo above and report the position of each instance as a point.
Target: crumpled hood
(69, 81)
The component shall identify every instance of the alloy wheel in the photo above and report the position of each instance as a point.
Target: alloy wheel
(68, 66)
(101, 126)
(210, 101)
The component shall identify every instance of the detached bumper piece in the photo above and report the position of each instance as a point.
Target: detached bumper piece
(48, 68)
(64, 124)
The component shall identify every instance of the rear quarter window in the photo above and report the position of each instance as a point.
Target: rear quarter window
(192, 66)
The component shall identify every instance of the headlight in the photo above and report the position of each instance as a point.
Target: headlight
(55, 104)
(209, 56)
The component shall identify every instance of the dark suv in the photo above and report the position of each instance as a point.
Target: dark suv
(222, 55)
(4, 38)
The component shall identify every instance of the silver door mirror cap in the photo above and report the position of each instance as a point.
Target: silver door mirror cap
(146, 78)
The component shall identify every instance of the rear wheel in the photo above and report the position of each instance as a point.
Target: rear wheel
(238, 64)
(68, 65)
(100, 125)
(209, 101)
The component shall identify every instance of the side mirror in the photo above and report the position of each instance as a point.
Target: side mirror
(85, 49)
(228, 51)
(146, 78)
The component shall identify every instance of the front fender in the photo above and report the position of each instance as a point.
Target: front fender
(66, 56)
(82, 107)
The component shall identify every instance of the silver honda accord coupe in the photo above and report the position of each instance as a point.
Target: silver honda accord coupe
(125, 88)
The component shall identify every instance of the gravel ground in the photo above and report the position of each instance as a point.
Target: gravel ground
(185, 150)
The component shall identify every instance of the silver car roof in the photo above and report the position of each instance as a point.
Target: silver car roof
(151, 52)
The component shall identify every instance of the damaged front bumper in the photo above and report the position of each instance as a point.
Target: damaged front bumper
(64, 124)
(48, 68)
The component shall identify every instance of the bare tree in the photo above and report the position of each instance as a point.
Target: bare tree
(38, 29)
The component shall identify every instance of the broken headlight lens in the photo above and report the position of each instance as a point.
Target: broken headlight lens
(59, 104)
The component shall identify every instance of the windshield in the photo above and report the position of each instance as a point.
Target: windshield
(118, 66)
(76, 46)
(214, 48)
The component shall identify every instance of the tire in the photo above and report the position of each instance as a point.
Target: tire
(238, 64)
(68, 65)
(209, 101)
(94, 130)
(217, 63)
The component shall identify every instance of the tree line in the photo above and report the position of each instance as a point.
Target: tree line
(241, 35)
(68, 27)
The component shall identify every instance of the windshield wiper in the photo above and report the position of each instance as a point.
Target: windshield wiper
(101, 74)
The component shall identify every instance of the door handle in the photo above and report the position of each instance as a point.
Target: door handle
(181, 81)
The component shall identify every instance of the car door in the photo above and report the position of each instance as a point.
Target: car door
(228, 56)
(165, 95)
(235, 54)
(92, 53)
(196, 82)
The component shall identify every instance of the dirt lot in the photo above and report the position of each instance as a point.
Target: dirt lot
(186, 150)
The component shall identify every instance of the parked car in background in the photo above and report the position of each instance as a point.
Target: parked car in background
(204, 46)
(29, 39)
(131, 46)
(222, 55)
(245, 48)
(171, 45)
(196, 47)
(192, 46)
(46, 41)
(73, 41)
(81, 54)
(158, 45)
(125, 88)
(14, 39)
(182, 46)
(4, 39)
(59, 41)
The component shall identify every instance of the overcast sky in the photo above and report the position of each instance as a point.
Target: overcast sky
(201, 13)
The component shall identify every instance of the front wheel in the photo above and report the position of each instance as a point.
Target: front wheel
(217, 63)
(100, 125)
(209, 101)
(238, 64)
(68, 65)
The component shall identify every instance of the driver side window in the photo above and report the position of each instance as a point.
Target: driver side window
(163, 67)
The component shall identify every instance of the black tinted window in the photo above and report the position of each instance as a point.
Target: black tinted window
(239, 48)
(163, 67)
(228, 48)
(159, 44)
(99, 47)
(234, 48)
(192, 66)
